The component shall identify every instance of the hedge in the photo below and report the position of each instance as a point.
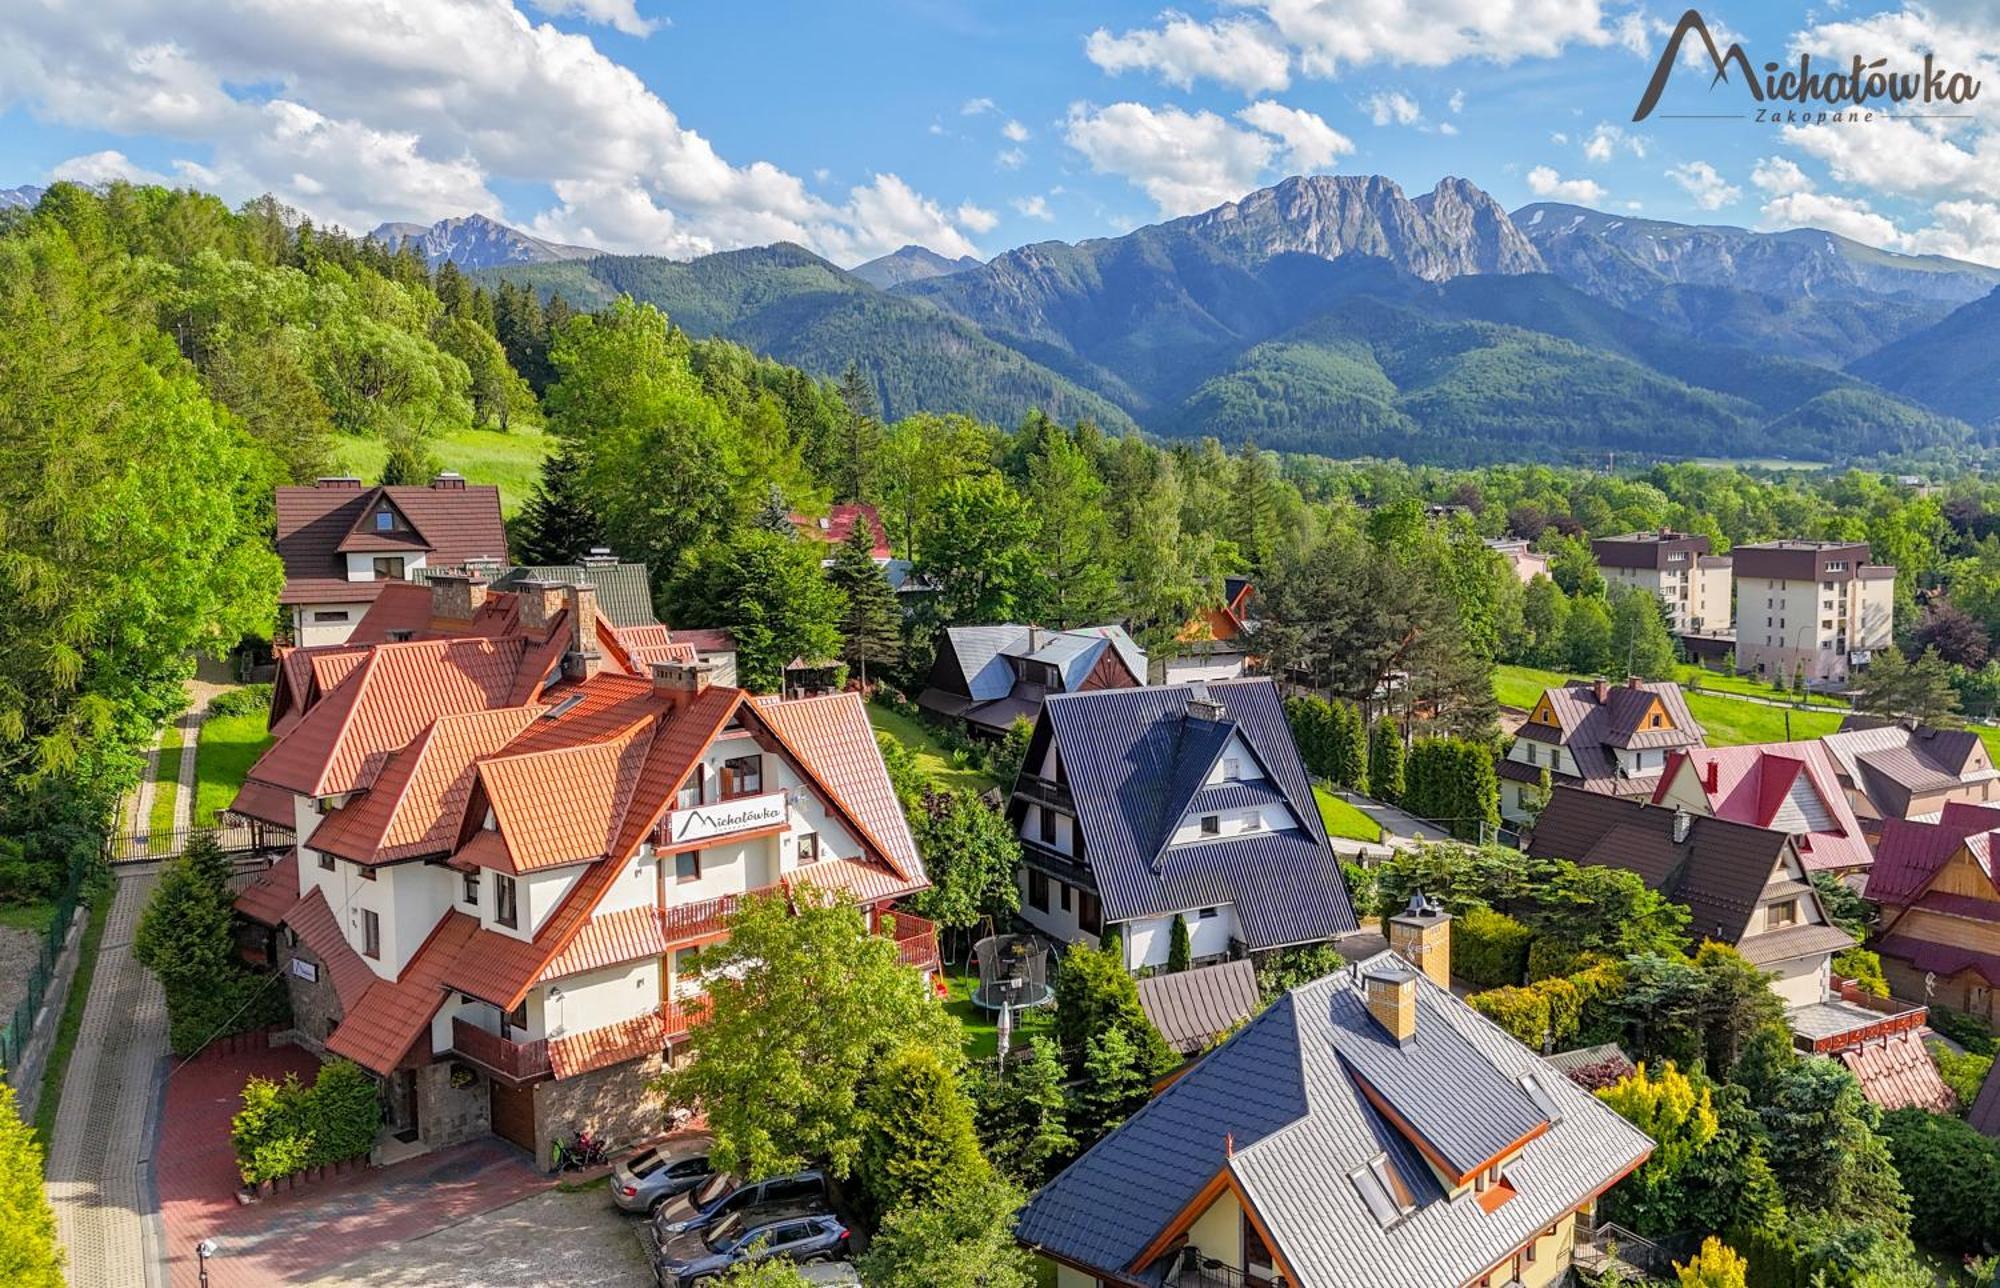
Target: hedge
(1489, 949)
(1546, 1011)
(286, 1127)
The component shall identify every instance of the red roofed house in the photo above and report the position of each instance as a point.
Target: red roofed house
(512, 834)
(342, 543)
(839, 523)
(1215, 645)
(1790, 787)
(1939, 887)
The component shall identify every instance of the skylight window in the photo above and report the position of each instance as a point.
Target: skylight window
(1382, 1190)
(563, 708)
(1532, 1084)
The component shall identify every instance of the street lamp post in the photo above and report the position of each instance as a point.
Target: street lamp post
(203, 1251)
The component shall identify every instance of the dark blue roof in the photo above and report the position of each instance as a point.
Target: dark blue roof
(1135, 761)
(1234, 796)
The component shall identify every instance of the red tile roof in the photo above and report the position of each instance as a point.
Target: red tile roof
(1899, 1074)
(275, 891)
(578, 1053)
(454, 524)
(318, 930)
(831, 739)
(380, 1030)
(1941, 959)
(1752, 784)
(260, 801)
(611, 939)
(706, 639)
(839, 523)
(417, 803)
(305, 675)
(564, 805)
(406, 606)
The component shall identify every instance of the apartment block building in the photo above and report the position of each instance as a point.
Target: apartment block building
(1812, 607)
(1693, 585)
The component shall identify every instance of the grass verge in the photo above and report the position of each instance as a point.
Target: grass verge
(71, 1021)
(27, 916)
(1728, 721)
(224, 752)
(1344, 820)
(167, 780)
(982, 1027)
(935, 758)
(513, 460)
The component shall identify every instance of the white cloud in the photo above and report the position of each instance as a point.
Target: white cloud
(379, 109)
(976, 219)
(1447, 128)
(1848, 216)
(1010, 158)
(1708, 188)
(1457, 101)
(622, 14)
(1631, 33)
(104, 167)
(1015, 132)
(1184, 161)
(1036, 207)
(1393, 106)
(1310, 143)
(1608, 140)
(1244, 53)
(1559, 139)
(977, 107)
(1779, 176)
(1543, 181)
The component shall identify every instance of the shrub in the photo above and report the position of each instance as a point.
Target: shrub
(1965, 1073)
(1489, 949)
(1955, 1170)
(919, 1141)
(1864, 968)
(1522, 1012)
(250, 700)
(1969, 1031)
(344, 1113)
(286, 1127)
(1714, 1265)
(1551, 955)
(1180, 946)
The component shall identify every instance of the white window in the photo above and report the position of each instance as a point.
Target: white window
(330, 615)
(1232, 768)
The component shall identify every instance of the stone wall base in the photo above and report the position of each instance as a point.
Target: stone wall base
(448, 1115)
(615, 1104)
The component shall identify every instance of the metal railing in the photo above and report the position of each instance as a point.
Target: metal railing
(235, 835)
(695, 920)
(517, 1061)
(1193, 1270)
(21, 1024)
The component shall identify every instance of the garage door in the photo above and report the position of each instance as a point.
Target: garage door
(514, 1115)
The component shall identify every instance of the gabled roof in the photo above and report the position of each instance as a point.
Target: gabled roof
(831, 738)
(1133, 759)
(1898, 1073)
(452, 522)
(984, 653)
(1191, 1007)
(273, 892)
(1889, 762)
(564, 805)
(839, 523)
(1791, 787)
(405, 610)
(380, 1029)
(313, 920)
(1589, 727)
(1280, 1113)
(1908, 854)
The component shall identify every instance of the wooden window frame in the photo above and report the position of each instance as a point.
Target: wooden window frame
(506, 901)
(691, 857)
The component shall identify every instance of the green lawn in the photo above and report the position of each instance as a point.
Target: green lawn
(166, 782)
(1728, 721)
(1749, 686)
(1344, 820)
(982, 1027)
(933, 755)
(228, 746)
(513, 460)
(27, 916)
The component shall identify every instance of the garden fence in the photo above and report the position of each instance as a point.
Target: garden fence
(14, 1038)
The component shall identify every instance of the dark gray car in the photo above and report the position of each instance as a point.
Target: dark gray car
(794, 1233)
(650, 1177)
(722, 1195)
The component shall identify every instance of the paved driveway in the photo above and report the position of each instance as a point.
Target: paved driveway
(550, 1238)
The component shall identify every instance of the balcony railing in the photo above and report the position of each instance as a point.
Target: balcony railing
(701, 918)
(1045, 792)
(682, 1014)
(1190, 1269)
(916, 939)
(516, 1061)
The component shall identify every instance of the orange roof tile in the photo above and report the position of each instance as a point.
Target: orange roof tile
(379, 1031)
(564, 805)
(267, 899)
(486, 849)
(305, 675)
(262, 801)
(417, 803)
(1899, 1074)
(830, 739)
(614, 1043)
(407, 606)
(318, 930)
(866, 882)
(611, 939)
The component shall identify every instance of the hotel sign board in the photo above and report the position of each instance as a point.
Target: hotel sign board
(745, 814)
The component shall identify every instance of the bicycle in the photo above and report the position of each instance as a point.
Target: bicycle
(582, 1151)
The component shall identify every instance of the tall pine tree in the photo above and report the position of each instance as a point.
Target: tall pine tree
(862, 435)
(557, 525)
(872, 626)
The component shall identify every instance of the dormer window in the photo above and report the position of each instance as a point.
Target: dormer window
(385, 521)
(1232, 769)
(390, 567)
(1211, 825)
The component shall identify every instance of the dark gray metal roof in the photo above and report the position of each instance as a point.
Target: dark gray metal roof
(624, 595)
(1283, 1093)
(1190, 1007)
(1135, 758)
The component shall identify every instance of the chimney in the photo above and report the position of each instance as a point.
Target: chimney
(1711, 777)
(584, 658)
(1421, 935)
(540, 602)
(1392, 999)
(1633, 682)
(681, 682)
(448, 481)
(1602, 688)
(1203, 705)
(456, 595)
(1683, 821)
(338, 483)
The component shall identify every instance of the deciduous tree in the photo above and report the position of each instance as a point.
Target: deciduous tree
(29, 1253)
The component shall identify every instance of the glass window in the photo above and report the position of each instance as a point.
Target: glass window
(1784, 913)
(385, 521)
(809, 848)
(371, 934)
(691, 791)
(1209, 914)
(471, 895)
(516, 1018)
(389, 566)
(687, 866)
(326, 863)
(1232, 768)
(743, 775)
(1089, 913)
(504, 909)
(1048, 825)
(366, 874)
(683, 965)
(335, 615)
(1038, 891)
(1211, 825)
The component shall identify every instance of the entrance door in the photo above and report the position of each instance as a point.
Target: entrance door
(513, 1111)
(401, 1090)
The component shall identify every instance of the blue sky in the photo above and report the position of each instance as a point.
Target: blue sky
(675, 128)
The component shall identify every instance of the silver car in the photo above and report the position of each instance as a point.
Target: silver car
(650, 1177)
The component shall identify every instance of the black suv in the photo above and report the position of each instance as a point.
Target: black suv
(793, 1232)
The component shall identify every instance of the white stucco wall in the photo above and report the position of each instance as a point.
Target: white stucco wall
(1148, 942)
(308, 632)
(591, 1001)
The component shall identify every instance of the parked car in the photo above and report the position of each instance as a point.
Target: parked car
(650, 1177)
(722, 1194)
(792, 1231)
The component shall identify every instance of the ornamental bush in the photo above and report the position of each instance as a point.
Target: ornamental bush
(287, 1127)
(1489, 949)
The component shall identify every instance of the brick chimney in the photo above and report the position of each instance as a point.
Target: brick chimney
(540, 602)
(1633, 682)
(448, 481)
(456, 595)
(1602, 689)
(1711, 777)
(338, 483)
(1421, 935)
(1391, 991)
(600, 557)
(682, 682)
(1683, 822)
(584, 658)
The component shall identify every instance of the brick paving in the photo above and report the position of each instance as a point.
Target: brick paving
(295, 1235)
(100, 1141)
(548, 1238)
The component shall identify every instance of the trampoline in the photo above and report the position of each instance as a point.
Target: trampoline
(1013, 971)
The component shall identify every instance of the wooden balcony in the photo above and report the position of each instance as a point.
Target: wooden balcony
(1043, 792)
(916, 940)
(698, 920)
(682, 1014)
(514, 1062)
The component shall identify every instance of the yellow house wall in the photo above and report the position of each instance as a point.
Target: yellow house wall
(1552, 1255)
(1067, 1277)
(1218, 1232)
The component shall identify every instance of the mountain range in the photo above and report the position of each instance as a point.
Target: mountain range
(475, 241)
